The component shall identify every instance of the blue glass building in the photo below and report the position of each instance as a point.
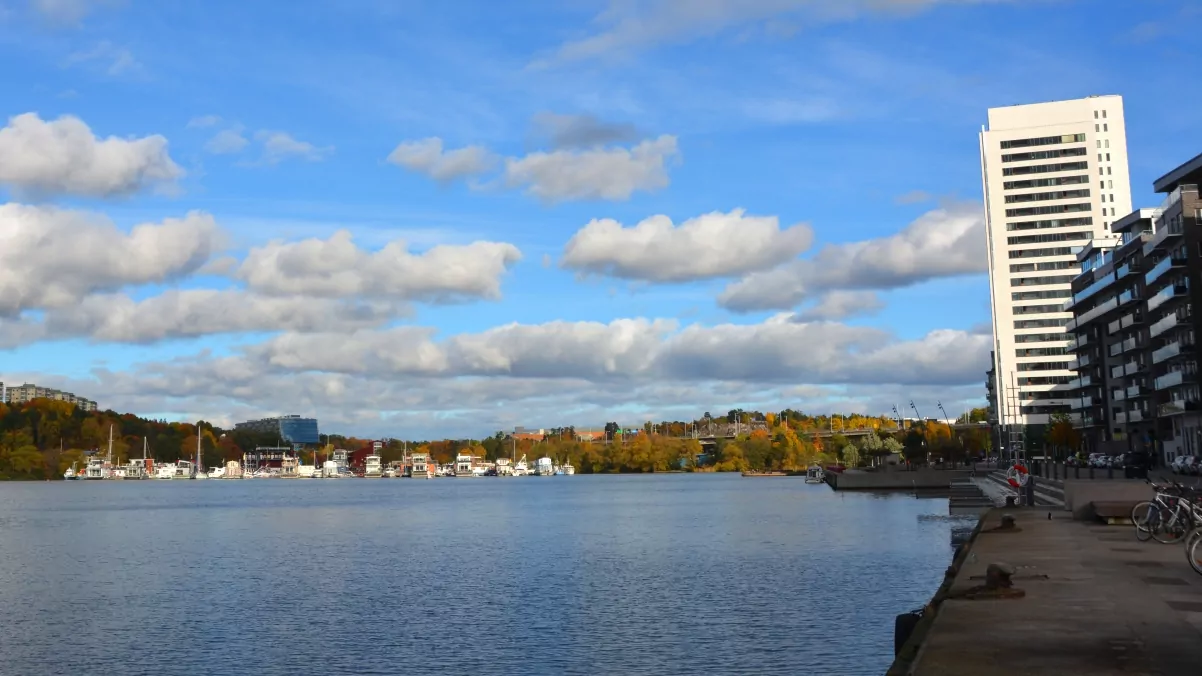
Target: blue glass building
(291, 429)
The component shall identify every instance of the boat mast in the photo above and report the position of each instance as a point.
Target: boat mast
(196, 467)
(109, 460)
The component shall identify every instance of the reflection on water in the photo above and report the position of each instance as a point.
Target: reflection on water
(675, 574)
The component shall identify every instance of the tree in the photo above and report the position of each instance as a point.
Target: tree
(851, 455)
(1062, 436)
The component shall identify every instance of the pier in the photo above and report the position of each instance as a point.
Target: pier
(1087, 599)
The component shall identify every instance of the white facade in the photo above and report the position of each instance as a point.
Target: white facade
(1055, 176)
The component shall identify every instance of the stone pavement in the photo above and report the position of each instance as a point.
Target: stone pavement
(1097, 602)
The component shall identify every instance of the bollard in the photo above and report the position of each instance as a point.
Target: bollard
(1030, 491)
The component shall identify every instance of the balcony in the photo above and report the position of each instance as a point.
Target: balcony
(1135, 416)
(1129, 344)
(1163, 325)
(1167, 352)
(1118, 395)
(1115, 349)
(1173, 379)
(1162, 267)
(1131, 320)
(1162, 234)
(1135, 391)
(1132, 367)
(1082, 340)
(1128, 296)
(1120, 418)
(1101, 309)
(1176, 407)
(1116, 371)
(1080, 403)
(1178, 290)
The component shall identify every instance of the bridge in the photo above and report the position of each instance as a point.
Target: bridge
(711, 437)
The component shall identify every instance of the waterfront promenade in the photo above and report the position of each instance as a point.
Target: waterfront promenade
(1097, 602)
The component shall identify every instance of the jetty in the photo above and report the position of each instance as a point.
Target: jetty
(1036, 592)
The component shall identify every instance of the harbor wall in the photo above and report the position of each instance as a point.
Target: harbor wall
(895, 480)
(1080, 493)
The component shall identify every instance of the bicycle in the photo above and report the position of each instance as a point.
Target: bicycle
(1168, 517)
(1193, 549)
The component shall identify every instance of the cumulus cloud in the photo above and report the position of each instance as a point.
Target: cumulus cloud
(279, 146)
(842, 305)
(226, 142)
(63, 157)
(426, 156)
(54, 257)
(582, 131)
(596, 174)
(404, 381)
(631, 26)
(944, 242)
(337, 267)
(708, 246)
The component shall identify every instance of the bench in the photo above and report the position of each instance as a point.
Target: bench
(1113, 512)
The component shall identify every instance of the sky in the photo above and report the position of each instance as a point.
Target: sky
(417, 220)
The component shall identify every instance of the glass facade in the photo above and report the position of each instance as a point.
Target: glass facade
(299, 430)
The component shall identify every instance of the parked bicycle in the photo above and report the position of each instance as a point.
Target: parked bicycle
(1170, 516)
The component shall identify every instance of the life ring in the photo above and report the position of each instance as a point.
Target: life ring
(1018, 476)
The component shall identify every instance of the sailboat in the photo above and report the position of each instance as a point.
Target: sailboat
(198, 471)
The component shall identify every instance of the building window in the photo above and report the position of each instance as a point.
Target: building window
(1044, 154)
(1107, 157)
(1103, 114)
(1099, 157)
(1111, 185)
(1043, 141)
(1095, 114)
(1048, 209)
(1108, 171)
(1097, 127)
(1105, 127)
(1041, 196)
(1044, 168)
(1107, 143)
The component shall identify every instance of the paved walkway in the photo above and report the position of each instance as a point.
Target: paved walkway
(1109, 605)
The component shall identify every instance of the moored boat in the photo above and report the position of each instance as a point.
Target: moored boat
(815, 475)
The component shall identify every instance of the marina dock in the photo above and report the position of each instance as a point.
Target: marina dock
(1087, 599)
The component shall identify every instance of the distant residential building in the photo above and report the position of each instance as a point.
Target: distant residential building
(28, 392)
(1055, 177)
(289, 428)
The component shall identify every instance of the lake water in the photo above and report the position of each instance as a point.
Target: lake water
(667, 574)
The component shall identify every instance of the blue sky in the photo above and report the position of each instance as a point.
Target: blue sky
(280, 123)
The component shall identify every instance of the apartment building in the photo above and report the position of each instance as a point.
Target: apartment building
(1174, 288)
(1133, 328)
(1109, 337)
(1054, 177)
(28, 392)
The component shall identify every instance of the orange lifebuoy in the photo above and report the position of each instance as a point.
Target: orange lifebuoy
(1017, 476)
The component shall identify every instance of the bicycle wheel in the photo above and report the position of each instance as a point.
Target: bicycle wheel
(1145, 516)
(1171, 527)
(1193, 550)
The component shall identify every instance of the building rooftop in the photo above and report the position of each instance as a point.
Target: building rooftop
(1170, 181)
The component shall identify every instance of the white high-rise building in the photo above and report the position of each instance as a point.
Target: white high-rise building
(1055, 177)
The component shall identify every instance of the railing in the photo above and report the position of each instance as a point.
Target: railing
(1167, 294)
(1162, 267)
(1116, 371)
(1116, 349)
(1165, 232)
(1128, 296)
(1129, 344)
(1080, 403)
(1131, 320)
(1101, 309)
(1083, 361)
(1132, 367)
(1113, 327)
(1176, 407)
(1135, 416)
(1135, 391)
(1120, 418)
(1172, 379)
(1163, 325)
(1167, 352)
(1118, 395)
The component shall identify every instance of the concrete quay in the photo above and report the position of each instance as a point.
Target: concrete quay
(1094, 601)
(895, 479)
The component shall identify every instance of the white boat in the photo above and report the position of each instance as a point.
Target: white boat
(183, 469)
(70, 475)
(372, 468)
(164, 471)
(217, 473)
(329, 470)
(95, 469)
(520, 468)
(566, 469)
(544, 467)
(815, 475)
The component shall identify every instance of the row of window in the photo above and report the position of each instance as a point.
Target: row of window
(1044, 365)
(1041, 295)
(1046, 182)
(1041, 196)
(1043, 267)
(1044, 168)
(1039, 323)
(1049, 209)
(1052, 223)
(1045, 154)
(1042, 253)
(1040, 337)
(1043, 141)
(1044, 380)
(1052, 237)
(1037, 309)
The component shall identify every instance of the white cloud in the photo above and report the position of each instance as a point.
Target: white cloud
(944, 242)
(53, 258)
(111, 59)
(841, 305)
(173, 314)
(63, 157)
(582, 131)
(337, 267)
(426, 156)
(279, 146)
(203, 121)
(707, 246)
(226, 142)
(631, 26)
(595, 174)
(69, 12)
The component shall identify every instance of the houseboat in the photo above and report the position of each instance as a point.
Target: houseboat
(183, 469)
(164, 471)
(504, 467)
(463, 465)
(95, 469)
(372, 468)
(566, 469)
(815, 475)
(422, 466)
(544, 467)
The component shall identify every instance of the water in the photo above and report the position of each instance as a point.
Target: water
(668, 574)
